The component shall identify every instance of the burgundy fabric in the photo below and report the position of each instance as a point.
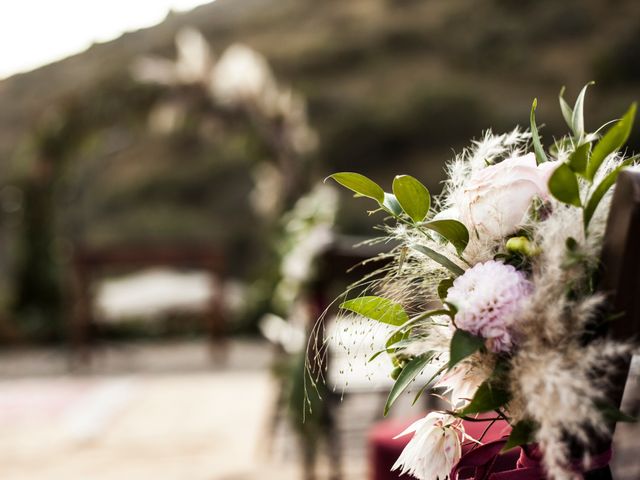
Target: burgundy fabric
(487, 432)
(525, 463)
(384, 450)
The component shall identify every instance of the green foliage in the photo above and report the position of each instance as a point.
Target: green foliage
(599, 192)
(443, 288)
(439, 258)
(492, 394)
(463, 344)
(360, 184)
(613, 414)
(584, 161)
(579, 159)
(413, 196)
(612, 141)
(541, 157)
(377, 308)
(391, 204)
(563, 185)
(429, 383)
(567, 111)
(406, 377)
(522, 433)
(577, 117)
(453, 231)
(487, 398)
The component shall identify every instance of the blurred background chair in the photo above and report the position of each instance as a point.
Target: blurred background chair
(90, 265)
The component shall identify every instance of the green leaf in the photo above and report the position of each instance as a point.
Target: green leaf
(423, 316)
(541, 157)
(612, 141)
(522, 433)
(463, 344)
(452, 230)
(396, 338)
(443, 288)
(413, 197)
(579, 158)
(360, 185)
(396, 341)
(409, 373)
(577, 119)
(614, 414)
(599, 192)
(428, 384)
(567, 111)
(377, 308)
(563, 185)
(391, 204)
(439, 258)
(488, 397)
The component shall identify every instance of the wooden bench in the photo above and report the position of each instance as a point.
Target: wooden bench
(89, 264)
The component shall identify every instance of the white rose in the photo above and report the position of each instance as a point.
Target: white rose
(496, 199)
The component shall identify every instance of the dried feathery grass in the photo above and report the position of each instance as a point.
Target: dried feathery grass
(562, 390)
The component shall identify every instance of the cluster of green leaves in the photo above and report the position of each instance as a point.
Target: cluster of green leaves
(588, 153)
(407, 367)
(410, 203)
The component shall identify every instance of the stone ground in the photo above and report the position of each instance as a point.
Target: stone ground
(157, 411)
(168, 411)
(160, 411)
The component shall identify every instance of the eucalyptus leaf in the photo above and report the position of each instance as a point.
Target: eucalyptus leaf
(488, 397)
(541, 157)
(613, 414)
(396, 338)
(439, 258)
(522, 433)
(391, 203)
(563, 185)
(567, 111)
(577, 118)
(360, 184)
(408, 374)
(452, 230)
(377, 308)
(579, 158)
(428, 384)
(612, 141)
(413, 197)
(463, 344)
(599, 192)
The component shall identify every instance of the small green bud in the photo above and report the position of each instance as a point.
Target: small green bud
(395, 373)
(523, 246)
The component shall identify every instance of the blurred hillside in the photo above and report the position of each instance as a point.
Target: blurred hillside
(388, 81)
(393, 86)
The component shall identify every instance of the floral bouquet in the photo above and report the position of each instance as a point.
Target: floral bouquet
(490, 288)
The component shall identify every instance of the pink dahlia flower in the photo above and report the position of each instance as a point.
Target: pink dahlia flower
(489, 297)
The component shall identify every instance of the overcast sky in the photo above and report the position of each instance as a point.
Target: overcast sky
(36, 32)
